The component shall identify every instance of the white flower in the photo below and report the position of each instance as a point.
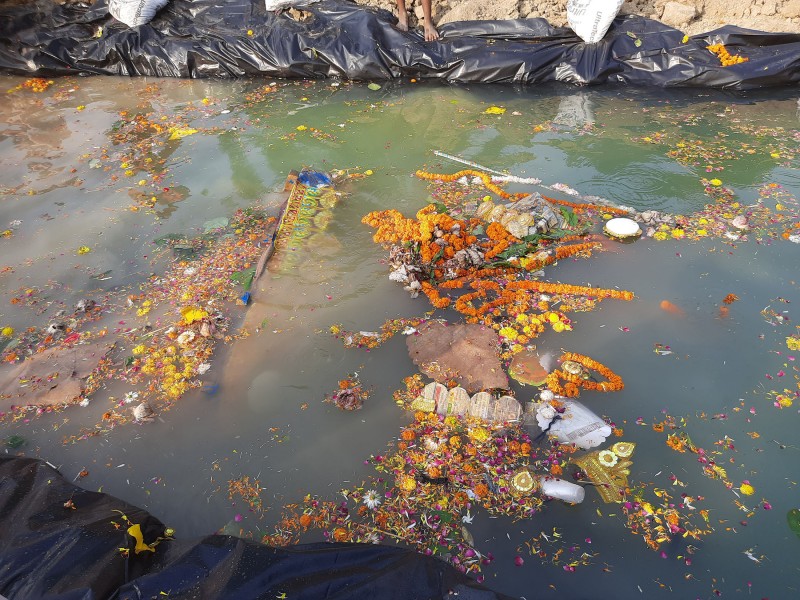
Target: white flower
(202, 368)
(185, 338)
(372, 499)
(84, 402)
(467, 518)
(607, 458)
(547, 396)
(131, 397)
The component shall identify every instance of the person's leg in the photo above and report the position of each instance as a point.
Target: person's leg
(402, 15)
(430, 31)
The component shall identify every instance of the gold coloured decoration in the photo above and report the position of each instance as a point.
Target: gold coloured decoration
(522, 482)
(608, 469)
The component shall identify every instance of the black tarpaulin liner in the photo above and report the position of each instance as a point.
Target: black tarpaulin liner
(236, 38)
(49, 551)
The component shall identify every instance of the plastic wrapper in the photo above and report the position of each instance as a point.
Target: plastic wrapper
(237, 38)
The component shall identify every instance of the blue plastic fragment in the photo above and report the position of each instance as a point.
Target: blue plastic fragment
(314, 179)
(245, 298)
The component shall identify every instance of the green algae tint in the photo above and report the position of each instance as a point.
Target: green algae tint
(97, 172)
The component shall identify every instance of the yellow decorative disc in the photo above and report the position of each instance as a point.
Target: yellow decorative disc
(623, 449)
(522, 481)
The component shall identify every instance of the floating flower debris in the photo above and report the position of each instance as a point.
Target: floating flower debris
(350, 394)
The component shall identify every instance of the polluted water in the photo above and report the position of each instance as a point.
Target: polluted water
(239, 270)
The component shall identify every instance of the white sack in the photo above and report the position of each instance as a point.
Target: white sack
(135, 12)
(273, 5)
(590, 19)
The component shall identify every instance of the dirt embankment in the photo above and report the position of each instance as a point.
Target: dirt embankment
(690, 16)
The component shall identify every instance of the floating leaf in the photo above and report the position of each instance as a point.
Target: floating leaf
(244, 277)
(637, 43)
(374, 86)
(793, 517)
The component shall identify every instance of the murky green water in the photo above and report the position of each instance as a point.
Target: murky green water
(71, 175)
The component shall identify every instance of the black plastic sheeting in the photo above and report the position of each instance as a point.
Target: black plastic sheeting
(49, 551)
(237, 38)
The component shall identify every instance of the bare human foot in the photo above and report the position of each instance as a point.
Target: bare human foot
(430, 33)
(402, 20)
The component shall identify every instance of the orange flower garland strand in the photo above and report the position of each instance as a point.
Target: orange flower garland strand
(571, 388)
(487, 181)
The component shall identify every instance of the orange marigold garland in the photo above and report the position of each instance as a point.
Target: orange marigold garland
(487, 181)
(579, 377)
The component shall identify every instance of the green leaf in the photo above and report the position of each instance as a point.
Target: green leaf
(569, 216)
(374, 87)
(793, 517)
(520, 249)
(244, 277)
(631, 34)
(637, 43)
(440, 208)
(479, 230)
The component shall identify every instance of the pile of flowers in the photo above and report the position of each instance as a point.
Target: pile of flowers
(726, 58)
(440, 471)
(437, 254)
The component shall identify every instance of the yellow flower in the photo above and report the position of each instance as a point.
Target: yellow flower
(81, 107)
(192, 314)
(702, 221)
(558, 327)
(509, 333)
(408, 483)
(479, 434)
(495, 110)
(140, 349)
(84, 250)
(143, 311)
(678, 233)
(135, 531)
(775, 154)
(177, 133)
(779, 207)
(793, 343)
(7, 331)
(715, 182)
(522, 318)
(301, 128)
(368, 172)
(747, 489)
(701, 232)
(784, 401)
(553, 317)
(250, 32)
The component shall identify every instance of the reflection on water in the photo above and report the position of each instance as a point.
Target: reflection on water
(107, 176)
